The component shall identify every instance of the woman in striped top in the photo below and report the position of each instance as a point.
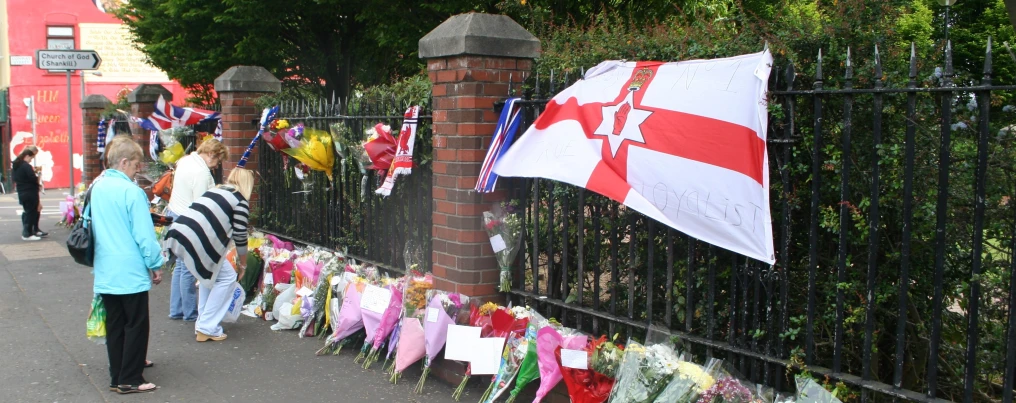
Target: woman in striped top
(202, 235)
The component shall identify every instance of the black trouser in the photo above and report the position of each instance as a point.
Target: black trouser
(30, 218)
(126, 337)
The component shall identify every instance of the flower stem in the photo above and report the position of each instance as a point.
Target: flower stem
(457, 394)
(486, 394)
(423, 378)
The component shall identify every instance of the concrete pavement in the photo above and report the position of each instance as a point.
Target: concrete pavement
(44, 300)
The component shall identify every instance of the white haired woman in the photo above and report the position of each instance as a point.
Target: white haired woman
(201, 237)
(127, 262)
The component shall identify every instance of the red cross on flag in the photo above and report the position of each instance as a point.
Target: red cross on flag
(683, 143)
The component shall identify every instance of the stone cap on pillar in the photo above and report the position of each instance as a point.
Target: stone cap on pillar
(145, 93)
(95, 101)
(247, 79)
(479, 34)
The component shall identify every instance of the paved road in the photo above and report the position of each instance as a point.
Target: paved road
(44, 298)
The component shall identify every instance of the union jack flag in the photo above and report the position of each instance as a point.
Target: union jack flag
(504, 136)
(167, 116)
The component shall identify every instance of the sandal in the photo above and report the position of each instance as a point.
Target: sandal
(149, 364)
(142, 388)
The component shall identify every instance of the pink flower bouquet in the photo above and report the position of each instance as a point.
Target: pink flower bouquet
(548, 339)
(385, 324)
(412, 342)
(443, 309)
(350, 318)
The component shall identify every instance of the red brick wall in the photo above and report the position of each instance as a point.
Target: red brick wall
(464, 90)
(90, 134)
(142, 111)
(238, 110)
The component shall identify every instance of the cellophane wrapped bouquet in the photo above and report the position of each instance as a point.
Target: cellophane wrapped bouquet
(412, 341)
(504, 227)
(727, 389)
(494, 321)
(529, 369)
(646, 370)
(349, 320)
(443, 309)
(690, 381)
(809, 391)
(379, 326)
(515, 351)
(549, 340)
(332, 263)
(593, 384)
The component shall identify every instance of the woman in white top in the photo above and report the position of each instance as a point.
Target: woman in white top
(192, 178)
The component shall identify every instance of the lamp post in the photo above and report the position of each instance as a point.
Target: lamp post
(947, 4)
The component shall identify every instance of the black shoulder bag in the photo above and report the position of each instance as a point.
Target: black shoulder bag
(81, 243)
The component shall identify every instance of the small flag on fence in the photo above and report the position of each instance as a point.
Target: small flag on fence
(504, 136)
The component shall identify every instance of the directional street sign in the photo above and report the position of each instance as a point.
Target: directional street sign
(67, 59)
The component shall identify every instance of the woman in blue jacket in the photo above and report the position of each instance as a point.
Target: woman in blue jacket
(128, 260)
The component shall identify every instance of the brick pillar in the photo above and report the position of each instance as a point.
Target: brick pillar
(142, 101)
(91, 112)
(238, 89)
(470, 58)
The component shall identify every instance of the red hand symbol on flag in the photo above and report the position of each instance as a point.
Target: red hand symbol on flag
(620, 117)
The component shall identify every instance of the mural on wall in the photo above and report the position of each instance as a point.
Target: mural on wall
(122, 61)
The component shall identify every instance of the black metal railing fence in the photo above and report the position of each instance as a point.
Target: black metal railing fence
(894, 236)
(344, 212)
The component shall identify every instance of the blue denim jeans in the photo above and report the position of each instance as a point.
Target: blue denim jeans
(183, 293)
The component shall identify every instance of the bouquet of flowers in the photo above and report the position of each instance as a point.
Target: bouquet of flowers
(646, 370)
(333, 263)
(690, 381)
(593, 384)
(809, 391)
(493, 321)
(529, 369)
(412, 341)
(276, 133)
(727, 390)
(515, 350)
(443, 309)
(350, 316)
(504, 227)
(314, 149)
(380, 147)
(548, 340)
(384, 323)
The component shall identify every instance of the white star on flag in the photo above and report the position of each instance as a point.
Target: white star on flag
(630, 129)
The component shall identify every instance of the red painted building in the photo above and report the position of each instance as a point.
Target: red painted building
(30, 25)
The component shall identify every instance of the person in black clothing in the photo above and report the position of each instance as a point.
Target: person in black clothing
(27, 183)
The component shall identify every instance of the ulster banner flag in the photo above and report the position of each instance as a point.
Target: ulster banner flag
(683, 143)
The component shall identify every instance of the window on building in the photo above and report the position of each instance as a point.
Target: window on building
(61, 38)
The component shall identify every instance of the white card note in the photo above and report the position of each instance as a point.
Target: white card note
(577, 359)
(304, 291)
(432, 315)
(461, 342)
(375, 299)
(487, 356)
(269, 279)
(497, 243)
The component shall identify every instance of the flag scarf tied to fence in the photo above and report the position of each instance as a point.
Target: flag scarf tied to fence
(683, 143)
(267, 116)
(504, 136)
(403, 162)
